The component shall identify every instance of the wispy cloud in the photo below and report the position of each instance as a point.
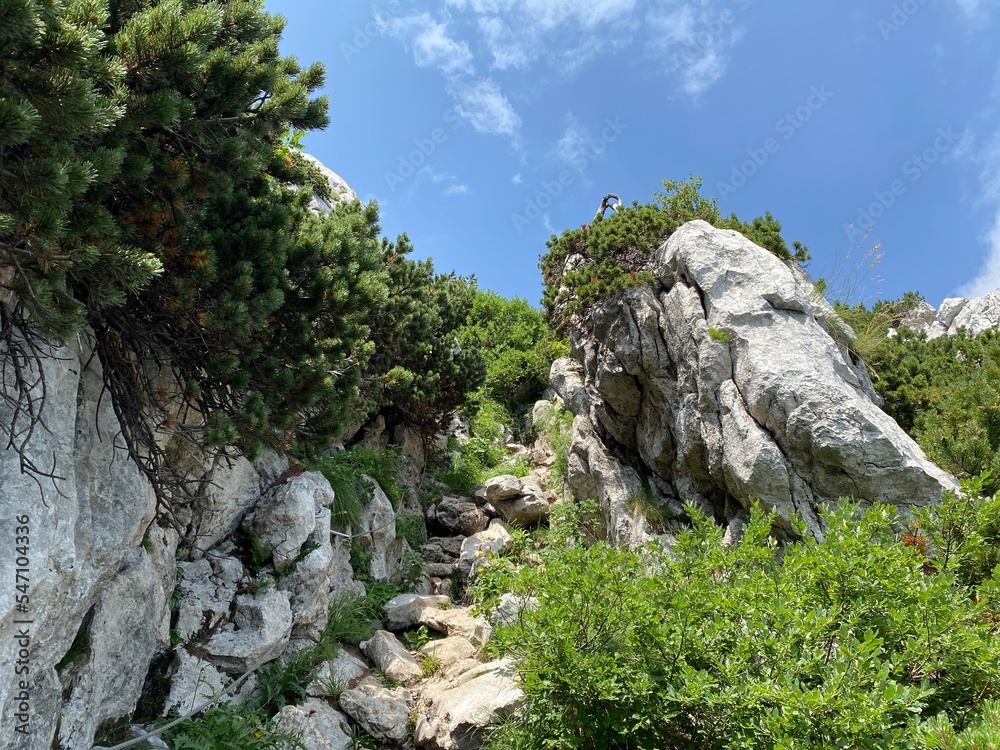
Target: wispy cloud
(572, 146)
(692, 43)
(431, 45)
(456, 190)
(988, 277)
(483, 105)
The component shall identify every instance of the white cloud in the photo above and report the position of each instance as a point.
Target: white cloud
(432, 47)
(988, 277)
(572, 146)
(484, 106)
(456, 190)
(692, 43)
(516, 179)
(564, 33)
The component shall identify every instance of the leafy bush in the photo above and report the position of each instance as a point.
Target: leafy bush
(517, 345)
(614, 254)
(847, 642)
(229, 727)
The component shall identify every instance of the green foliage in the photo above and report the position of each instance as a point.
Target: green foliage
(350, 619)
(982, 734)
(417, 639)
(517, 345)
(412, 528)
(963, 533)
(846, 642)
(718, 335)
(229, 727)
(346, 470)
(557, 428)
(419, 374)
(613, 254)
(944, 392)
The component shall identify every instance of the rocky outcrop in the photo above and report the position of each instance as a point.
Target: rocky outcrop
(955, 313)
(455, 710)
(728, 380)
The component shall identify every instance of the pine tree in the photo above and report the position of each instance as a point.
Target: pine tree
(419, 374)
(60, 93)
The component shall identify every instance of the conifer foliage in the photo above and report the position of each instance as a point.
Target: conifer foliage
(147, 195)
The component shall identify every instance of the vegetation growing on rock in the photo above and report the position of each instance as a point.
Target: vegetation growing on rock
(610, 255)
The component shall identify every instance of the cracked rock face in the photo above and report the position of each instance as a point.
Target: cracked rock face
(722, 383)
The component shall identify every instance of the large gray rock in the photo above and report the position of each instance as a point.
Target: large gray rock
(342, 672)
(458, 515)
(494, 540)
(377, 535)
(955, 313)
(124, 630)
(457, 621)
(724, 382)
(454, 714)
(286, 517)
(403, 611)
(450, 650)
(528, 508)
(382, 713)
(258, 634)
(339, 189)
(207, 589)
(386, 652)
(317, 725)
(85, 526)
(193, 682)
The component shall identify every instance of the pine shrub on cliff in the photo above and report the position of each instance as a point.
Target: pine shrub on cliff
(612, 254)
(146, 191)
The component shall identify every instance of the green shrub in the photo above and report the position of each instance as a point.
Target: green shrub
(344, 469)
(557, 428)
(848, 642)
(517, 346)
(229, 727)
(412, 528)
(982, 734)
(616, 253)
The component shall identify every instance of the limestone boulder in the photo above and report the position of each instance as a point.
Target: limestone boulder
(318, 725)
(528, 508)
(338, 674)
(385, 651)
(382, 713)
(496, 539)
(726, 380)
(286, 517)
(449, 651)
(457, 515)
(258, 634)
(457, 621)
(454, 714)
(403, 611)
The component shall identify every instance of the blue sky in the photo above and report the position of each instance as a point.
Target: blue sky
(484, 126)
